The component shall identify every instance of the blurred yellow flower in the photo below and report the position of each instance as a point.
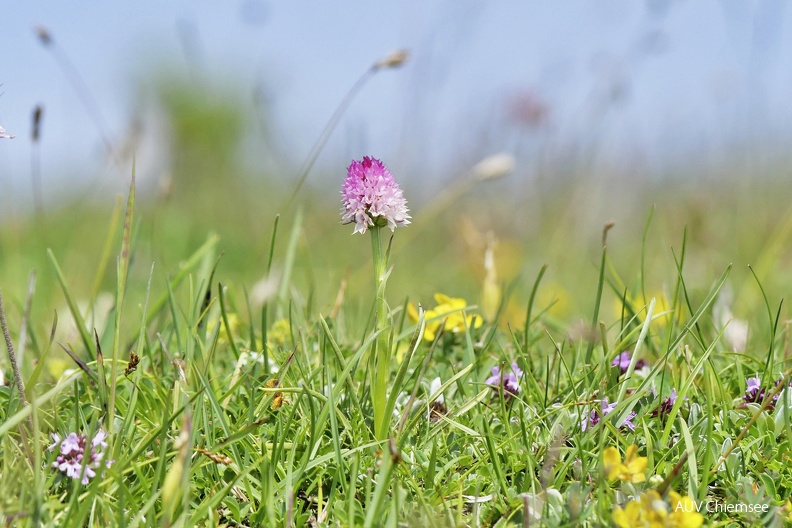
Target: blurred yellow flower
(279, 333)
(57, 366)
(448, 309)
(233, 326)
(640, 305)
(491, 290)
(631, 470)
(554, 299)
(652, 511)
(402, 348)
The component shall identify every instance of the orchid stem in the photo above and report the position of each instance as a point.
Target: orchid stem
(381, 353)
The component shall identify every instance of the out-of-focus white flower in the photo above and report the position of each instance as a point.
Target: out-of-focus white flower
(735, 331)
(494, 167)
(265, 289)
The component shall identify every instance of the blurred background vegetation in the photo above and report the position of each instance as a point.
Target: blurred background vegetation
(556, 219)
(219, 167)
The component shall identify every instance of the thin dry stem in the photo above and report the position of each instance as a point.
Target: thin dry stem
(11, 354)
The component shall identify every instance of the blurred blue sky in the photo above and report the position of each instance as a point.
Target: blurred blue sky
(646, 82)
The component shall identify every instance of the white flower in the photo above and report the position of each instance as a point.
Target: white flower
(434, 388)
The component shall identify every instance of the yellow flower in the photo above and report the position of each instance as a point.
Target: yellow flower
(449, 313)
(652, 511)
(633, 468)
(684, 513)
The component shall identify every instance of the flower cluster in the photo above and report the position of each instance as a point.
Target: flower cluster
(595, 415)
(622, 361)
(76, 451)
(370, 194)
(651, 510)
(449, 315)
(506, 382)
(755, 393)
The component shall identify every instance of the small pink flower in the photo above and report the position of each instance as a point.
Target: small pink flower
(372, 197)
(99, 439)
(74, 450)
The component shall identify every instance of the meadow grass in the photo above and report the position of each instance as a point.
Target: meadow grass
(227, 404)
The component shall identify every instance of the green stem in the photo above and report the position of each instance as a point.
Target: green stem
(381, 354)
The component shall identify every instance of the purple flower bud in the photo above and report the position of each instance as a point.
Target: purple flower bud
(666, 405)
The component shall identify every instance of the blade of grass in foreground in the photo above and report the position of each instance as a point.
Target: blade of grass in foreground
(265, 307)
(528, 310)
(288, 263)
(690, 449)
(380, 490)
(598, 299)
(85, 336)
(107, 250)
(402, 372)
(773, 323)
(123, 272)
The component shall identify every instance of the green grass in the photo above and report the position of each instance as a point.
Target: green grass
(204, 434)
